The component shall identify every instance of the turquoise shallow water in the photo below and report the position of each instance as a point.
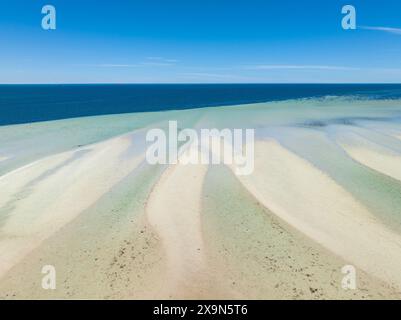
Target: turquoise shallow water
(25, 143)
(253, 244)
(243, 238)
(308, 127)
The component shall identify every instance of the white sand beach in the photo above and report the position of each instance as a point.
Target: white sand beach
(62, 188)
(174, 212)
(323, 211)
(372, 155)
(116, 227)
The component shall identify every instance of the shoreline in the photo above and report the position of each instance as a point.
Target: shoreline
(197, 231)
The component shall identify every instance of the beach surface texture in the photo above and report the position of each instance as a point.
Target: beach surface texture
(324, 197)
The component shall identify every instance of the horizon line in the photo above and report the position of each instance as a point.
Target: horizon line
(195, 83)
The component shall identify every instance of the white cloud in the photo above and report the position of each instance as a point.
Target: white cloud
(208, 75)
(111, 65)
(157, 64)
(384, 29)
(149, 62)
(138, 65)
(213, 77)
(161, 59)
(298, 67)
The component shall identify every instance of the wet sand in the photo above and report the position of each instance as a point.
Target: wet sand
(323, 194)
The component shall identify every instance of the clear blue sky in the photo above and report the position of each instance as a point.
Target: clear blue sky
(191, 41)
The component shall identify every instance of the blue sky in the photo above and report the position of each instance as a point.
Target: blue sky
(193, 41)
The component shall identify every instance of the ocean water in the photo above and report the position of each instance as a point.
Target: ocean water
(321, 126)
(33, 103)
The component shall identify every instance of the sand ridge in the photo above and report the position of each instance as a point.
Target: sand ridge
(312, 203)
(42, 197)
(174, 211)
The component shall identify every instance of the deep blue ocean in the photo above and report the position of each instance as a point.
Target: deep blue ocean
(31, 103)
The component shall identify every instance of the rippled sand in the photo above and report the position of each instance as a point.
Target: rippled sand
(78, 194)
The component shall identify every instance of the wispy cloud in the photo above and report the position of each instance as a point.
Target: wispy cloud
(112, 65)
(297, 67)
(384, 29)
(149, 62)
(208, 75)
(157, 64)
(161, 59)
